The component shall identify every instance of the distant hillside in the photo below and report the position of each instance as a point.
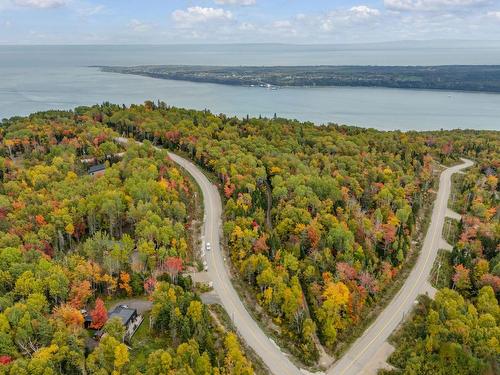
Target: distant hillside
(484, 78)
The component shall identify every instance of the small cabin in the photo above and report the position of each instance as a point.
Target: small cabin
(87, 319)
(97, 170)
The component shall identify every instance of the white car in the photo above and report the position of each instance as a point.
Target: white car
(208, 247)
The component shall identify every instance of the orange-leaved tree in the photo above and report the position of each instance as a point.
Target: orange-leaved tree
(99, 314)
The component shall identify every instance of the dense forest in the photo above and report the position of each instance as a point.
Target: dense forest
(319, 221)
(459, 331)
(484, 78)
(69, 240)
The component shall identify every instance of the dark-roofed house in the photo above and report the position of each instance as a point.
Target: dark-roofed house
(97, 170)
(87, 319)
(129, 317)
(126, 314)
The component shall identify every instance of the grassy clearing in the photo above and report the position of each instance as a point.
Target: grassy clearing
(456, 183)
(442, 270)
(144, 342)
(451, 230)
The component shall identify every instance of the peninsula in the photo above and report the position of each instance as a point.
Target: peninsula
(481, 78)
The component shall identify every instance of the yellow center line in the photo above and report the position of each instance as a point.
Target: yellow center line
(208, 187)
(440, 214)
(392, 318)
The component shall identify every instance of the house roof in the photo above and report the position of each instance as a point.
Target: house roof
(97, 168)
(124, 313)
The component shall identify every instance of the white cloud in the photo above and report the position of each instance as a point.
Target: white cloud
(41, 4)
(358, 22)
(139, 26)
(236, 2)
(197, 14)
(431, 5)
(494, 14)
(355, 15)
(362, 11)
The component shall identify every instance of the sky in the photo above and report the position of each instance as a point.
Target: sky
(245, 21)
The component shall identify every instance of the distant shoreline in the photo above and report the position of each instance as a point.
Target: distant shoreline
(465, 78)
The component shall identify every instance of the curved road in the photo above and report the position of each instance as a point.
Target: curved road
(360, 357)
(366, 347)
(266, 349)
(269, 352)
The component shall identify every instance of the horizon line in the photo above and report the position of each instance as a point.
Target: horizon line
(8, 44)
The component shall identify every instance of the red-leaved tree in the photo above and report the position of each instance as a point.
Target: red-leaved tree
(149, 285)
(229, 188)
(5, 359)
(99, 314)
(173, 266)
(461, 278)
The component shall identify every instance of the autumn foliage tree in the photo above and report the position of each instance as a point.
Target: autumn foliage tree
(461, 278)
(124, 283)
(5, 359)
(80, 293)
(335, 299)
(319, 221)
(173, 266)
(150, 285)
(99, 314)
(451, 335)
(69, 315)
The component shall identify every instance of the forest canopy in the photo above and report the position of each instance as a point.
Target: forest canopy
(70, 241)
(319, 222)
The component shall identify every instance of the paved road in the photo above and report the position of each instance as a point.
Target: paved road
(267, 350)
(364, 351)
(366, 348)
(272, 356)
